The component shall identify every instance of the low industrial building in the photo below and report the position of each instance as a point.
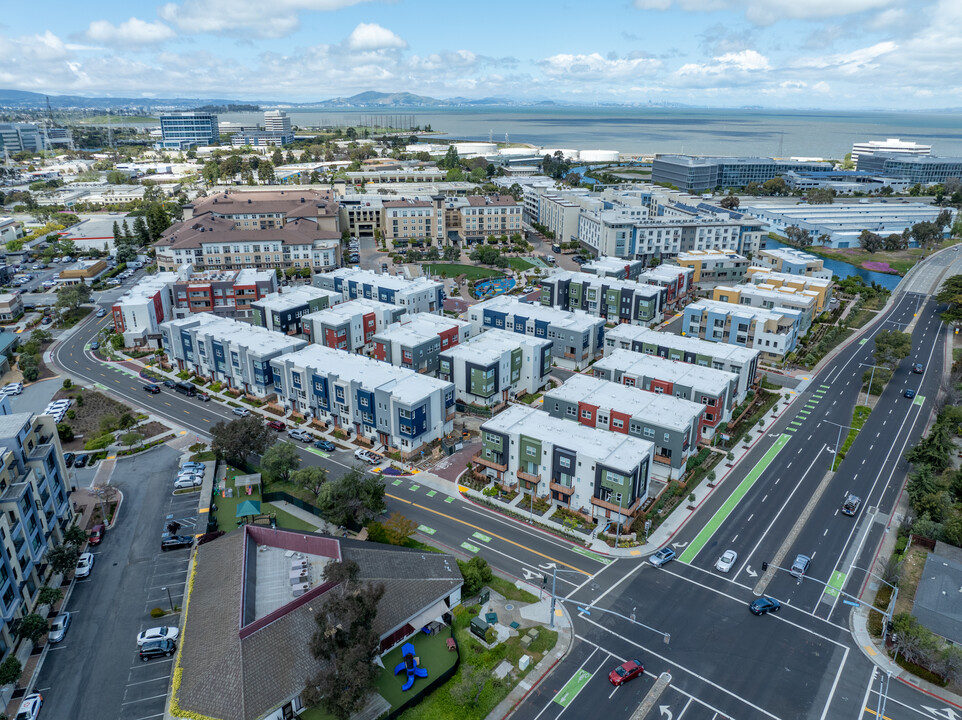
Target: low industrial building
(742, 362)
(230, 351)
(577, 337)
(603, 476)
(351, 325)
(713, 266)
(419, 295)
(282, 311)
(389, 406)
(417, 341)
(673, 424)
(774, 333)
(497, 366)
(618, 301)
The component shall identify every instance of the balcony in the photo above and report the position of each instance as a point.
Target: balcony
(605, 504)
(564, 489)
(527, 477)
(663, 459)
(487, 463)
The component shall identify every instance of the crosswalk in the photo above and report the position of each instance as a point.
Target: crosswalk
(804, 412)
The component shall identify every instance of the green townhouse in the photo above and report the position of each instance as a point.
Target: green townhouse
(617, 301)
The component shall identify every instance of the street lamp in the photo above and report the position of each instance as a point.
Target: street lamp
(169, 598)
(837, 442)
(872, 379)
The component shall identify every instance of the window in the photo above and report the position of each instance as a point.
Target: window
(564, 462)
(531, 450)
(586, 414)
(618, 423)
(649, 433)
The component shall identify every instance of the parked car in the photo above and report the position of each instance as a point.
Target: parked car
(628, 670)
(276, 425)
(801, 565)
(726, 561)
(662, 557)
(367, 456)
(30, 707)
(203, 397)
(185, 483)
(13, 388)
(300, 434)
(193, 464)
(85, 563)
(96, 533)
(152, 389)
(81, 460)
(68, 458)
(851, 504)
(764, 605)
(325, 445)
(157, 648)
(170, 384)
(176, 542)
(165, 632)
(58, 628)
(242, 412)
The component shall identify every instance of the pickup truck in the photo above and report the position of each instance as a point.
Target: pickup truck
(300, 434)
(367, 456)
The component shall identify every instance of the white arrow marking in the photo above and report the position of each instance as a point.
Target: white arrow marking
(946, 713)
(679, 545)
(547, 566)
(663, 709)
(774, 435)
(752, 573)
(530, 574)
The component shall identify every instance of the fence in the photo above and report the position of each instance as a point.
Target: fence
(435, 684)
(297, 502)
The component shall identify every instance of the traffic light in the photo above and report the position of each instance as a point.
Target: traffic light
(764, 566)
(544, 581)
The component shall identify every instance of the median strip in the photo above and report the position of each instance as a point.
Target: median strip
(726, 509)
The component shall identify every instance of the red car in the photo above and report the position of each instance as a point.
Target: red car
(626, 671)
(96, 534)
(276, 425)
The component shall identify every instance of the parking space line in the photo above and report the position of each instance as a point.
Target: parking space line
(155, 663)
(165, 678)
(134, 702)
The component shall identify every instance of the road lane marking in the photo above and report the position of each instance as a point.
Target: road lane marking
(481, 536)
(426, 530)
(835, 583)
(729, 505)
(572, 688)
(469, 547)
(414, 487)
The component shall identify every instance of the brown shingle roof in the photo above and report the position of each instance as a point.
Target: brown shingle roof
(290, 203)
(206, 229)
(226, 677)
(482, 200)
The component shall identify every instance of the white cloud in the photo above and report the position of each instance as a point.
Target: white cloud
(855, 62)
(133, 32)
(596, 66)
(766, 12)
(265, 19)
(731, 68)
(371, 36)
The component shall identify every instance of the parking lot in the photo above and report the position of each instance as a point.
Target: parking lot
(96, 672)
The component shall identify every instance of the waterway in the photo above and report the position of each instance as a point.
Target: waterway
(844, 270)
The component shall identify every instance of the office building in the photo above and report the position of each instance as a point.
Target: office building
(497, 366)
(614, 267)
(674, 425)
(20, 137)
(277, 121)
(259, 138)
(753, 296)
(184, 130)
(790, 261)
(698, 174)
(712, 266)
(350, 325)
(618, 301)
(577, 337)
(820, 288)
(419, 295)
(417, 341)
(392, 407)
(713, 389)
(34, 513)
(602, 475)
(229, 351)
(914, 169)
(774, 333)
(893, 146)
(282, 311)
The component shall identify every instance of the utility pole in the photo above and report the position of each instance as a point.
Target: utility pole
(837, 442)
(872, 379)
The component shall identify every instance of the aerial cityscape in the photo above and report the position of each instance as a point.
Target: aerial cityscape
(359, 365)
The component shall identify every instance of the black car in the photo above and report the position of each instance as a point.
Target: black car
(325, 445)
(152, 389)
(176, 542)
(81, 460)
(170, 383)
(157, 648)
(203, 397)
(764, 605)
(68, 459)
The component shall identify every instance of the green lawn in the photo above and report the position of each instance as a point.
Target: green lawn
(226, 507)
(517, 263)
(472, 272)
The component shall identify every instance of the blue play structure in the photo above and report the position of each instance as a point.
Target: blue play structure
(489, 288)
(409, 663)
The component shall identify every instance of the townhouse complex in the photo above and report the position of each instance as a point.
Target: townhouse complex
(774, 333)
(351, 325)
(577, 338)
(387, 405)
(819, 288)
(419, 295)
(417, 341)
(602, 475)
(619, 301)
(790, 261)
(613, 267)
(282, 311)
(714, 265)
(496, 366)
(754, 296)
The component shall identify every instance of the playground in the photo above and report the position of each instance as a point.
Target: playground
(434, 657)
(491, 288)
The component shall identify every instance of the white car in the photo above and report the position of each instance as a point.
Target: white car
(85, 564)
(242, 412)
(58, 628)
(367, 456)
(158, 633)
(185, 483)
(13, 388)
(64, 403)
(30, 707)
(299, 434)
(726, 561)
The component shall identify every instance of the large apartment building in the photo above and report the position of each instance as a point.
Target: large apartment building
(713, 266)
(413, 219)
(267, 209)
(34, 513)
(419, 295)
(790, 261)
(282, 311)
(229, 351)
(577, 337)
(743, 362)
(350, 325)
(774, 333)
(486, 215)
(617, 301)
(390, 406)
(602, 475)
(672, 423)
(417, 341)
(713, 389)
(787, 283)
(497, 366)
(751, 295)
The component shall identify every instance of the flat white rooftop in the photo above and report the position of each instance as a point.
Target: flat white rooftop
(733, 354)
(491, 345)
(609, 282)
(293, 297)
(256, 339)
(716, 382)
(147, 288)
(575, 320)
(345, 311)
(756, 313)
(383, 280)
(419, 328)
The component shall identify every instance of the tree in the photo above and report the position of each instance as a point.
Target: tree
(399, 528)
(775, 186)
(235, 441)
(265, 171)
(891, 346)
(311, 478)
(450, 159)
(211, 172)
(125, 253)
(926, 233)
(49, 596)
(277, 157)
(870, 242)
(126, 420)
(63, 558)
(131, 439)
(141, 231)
(731, 202)
(798, 236)
(951, 294)
(345, 642)
(32, 627)
(469, 687)
(280, 460)
(157, 218)
(75, 535)
(70, 297)
(64, 432)
(10, 670)
(821, 196)
(116, 177)
(29, 367)
(476, 572)
(355, 498)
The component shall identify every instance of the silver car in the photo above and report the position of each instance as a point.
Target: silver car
(58, 628)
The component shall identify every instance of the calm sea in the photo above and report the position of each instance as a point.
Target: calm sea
(651, 130)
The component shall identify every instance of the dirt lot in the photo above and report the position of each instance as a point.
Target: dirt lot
(87, 417)
(912, 568)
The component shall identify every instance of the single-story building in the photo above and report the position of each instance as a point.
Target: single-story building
(11, 307)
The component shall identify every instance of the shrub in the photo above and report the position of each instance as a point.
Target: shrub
(156, 613)
(100, 442)
(490, 635)
(64, 432)
(67, 384)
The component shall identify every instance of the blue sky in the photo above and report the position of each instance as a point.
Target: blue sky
(834, 54)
